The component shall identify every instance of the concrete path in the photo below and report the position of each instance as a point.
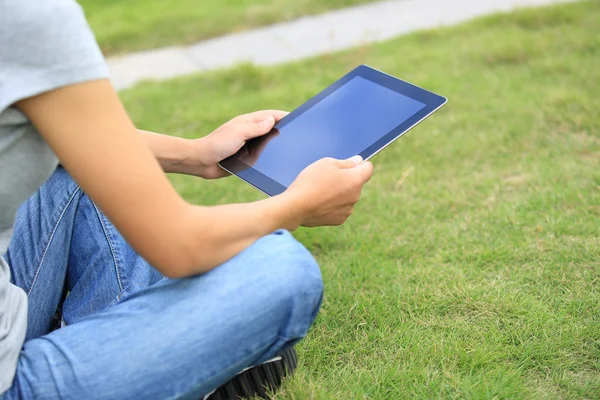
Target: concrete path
(306, 37)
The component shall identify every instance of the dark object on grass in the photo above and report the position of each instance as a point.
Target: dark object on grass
(258, 381)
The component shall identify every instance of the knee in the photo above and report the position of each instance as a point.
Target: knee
(291, 279)
(275, 281)
(292, 269)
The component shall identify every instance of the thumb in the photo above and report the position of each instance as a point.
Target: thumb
(365, 170)
(350, 162)
(267, 123)
(258, 128)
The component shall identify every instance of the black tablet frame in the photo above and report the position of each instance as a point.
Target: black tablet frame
(431, 100)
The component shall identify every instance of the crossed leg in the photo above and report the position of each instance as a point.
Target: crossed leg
(131, 333)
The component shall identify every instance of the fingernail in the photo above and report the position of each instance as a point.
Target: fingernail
(357, 160)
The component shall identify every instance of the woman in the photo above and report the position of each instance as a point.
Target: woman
(166, 299)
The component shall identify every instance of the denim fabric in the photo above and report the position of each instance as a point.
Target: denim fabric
(132, 333)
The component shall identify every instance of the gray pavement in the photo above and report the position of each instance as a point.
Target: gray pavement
(306, 37)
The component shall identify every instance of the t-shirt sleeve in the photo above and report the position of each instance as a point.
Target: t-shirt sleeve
(45, 45)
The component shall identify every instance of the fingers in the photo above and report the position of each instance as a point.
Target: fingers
(355, 166)
(365, 170)
(350, 162)
(362, 168)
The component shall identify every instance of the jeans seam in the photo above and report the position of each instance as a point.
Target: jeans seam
(49, 241)
(111, 246)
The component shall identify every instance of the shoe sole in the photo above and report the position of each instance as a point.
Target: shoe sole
(258, 381)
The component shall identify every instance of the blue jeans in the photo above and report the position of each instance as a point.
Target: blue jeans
(132, 333)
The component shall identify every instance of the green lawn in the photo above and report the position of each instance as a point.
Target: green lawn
(471, 268)
(127, 25)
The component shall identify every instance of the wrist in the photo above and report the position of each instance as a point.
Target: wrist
(293, 210)
(191, 157)
(178, 155)
(197, 157)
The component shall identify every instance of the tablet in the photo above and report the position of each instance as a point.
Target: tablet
(361, 113)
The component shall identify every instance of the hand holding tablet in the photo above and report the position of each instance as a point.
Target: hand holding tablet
(360, 114)
(327, 190)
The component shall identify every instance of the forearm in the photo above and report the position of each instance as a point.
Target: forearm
(212, 235)
(174, 154)
(218, 233)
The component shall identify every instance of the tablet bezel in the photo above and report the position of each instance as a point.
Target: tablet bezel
(431, 100)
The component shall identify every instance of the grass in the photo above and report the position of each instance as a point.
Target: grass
(471, 268)
(128, 25)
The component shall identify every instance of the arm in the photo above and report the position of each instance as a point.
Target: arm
(200, 157)
(89, 130)
(174, 154)
(106, 156)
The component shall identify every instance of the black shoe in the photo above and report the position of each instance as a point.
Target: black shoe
(258, 381)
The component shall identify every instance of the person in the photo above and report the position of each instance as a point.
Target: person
(166, 299)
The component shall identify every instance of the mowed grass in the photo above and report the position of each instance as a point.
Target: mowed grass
(128, 25)
(471, 268)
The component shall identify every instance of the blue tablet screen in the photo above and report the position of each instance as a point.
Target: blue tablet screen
(340, 126)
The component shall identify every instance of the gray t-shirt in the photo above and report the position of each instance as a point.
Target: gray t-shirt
(44, 45)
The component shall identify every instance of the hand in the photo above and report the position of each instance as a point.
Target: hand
(226, 140)
(254, 148)
(328, 189)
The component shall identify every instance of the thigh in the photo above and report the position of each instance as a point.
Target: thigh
(180, 338)
(61, 236)
(39, 248)
(103, 269)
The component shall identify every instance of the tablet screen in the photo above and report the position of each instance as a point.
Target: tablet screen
(341, 125)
